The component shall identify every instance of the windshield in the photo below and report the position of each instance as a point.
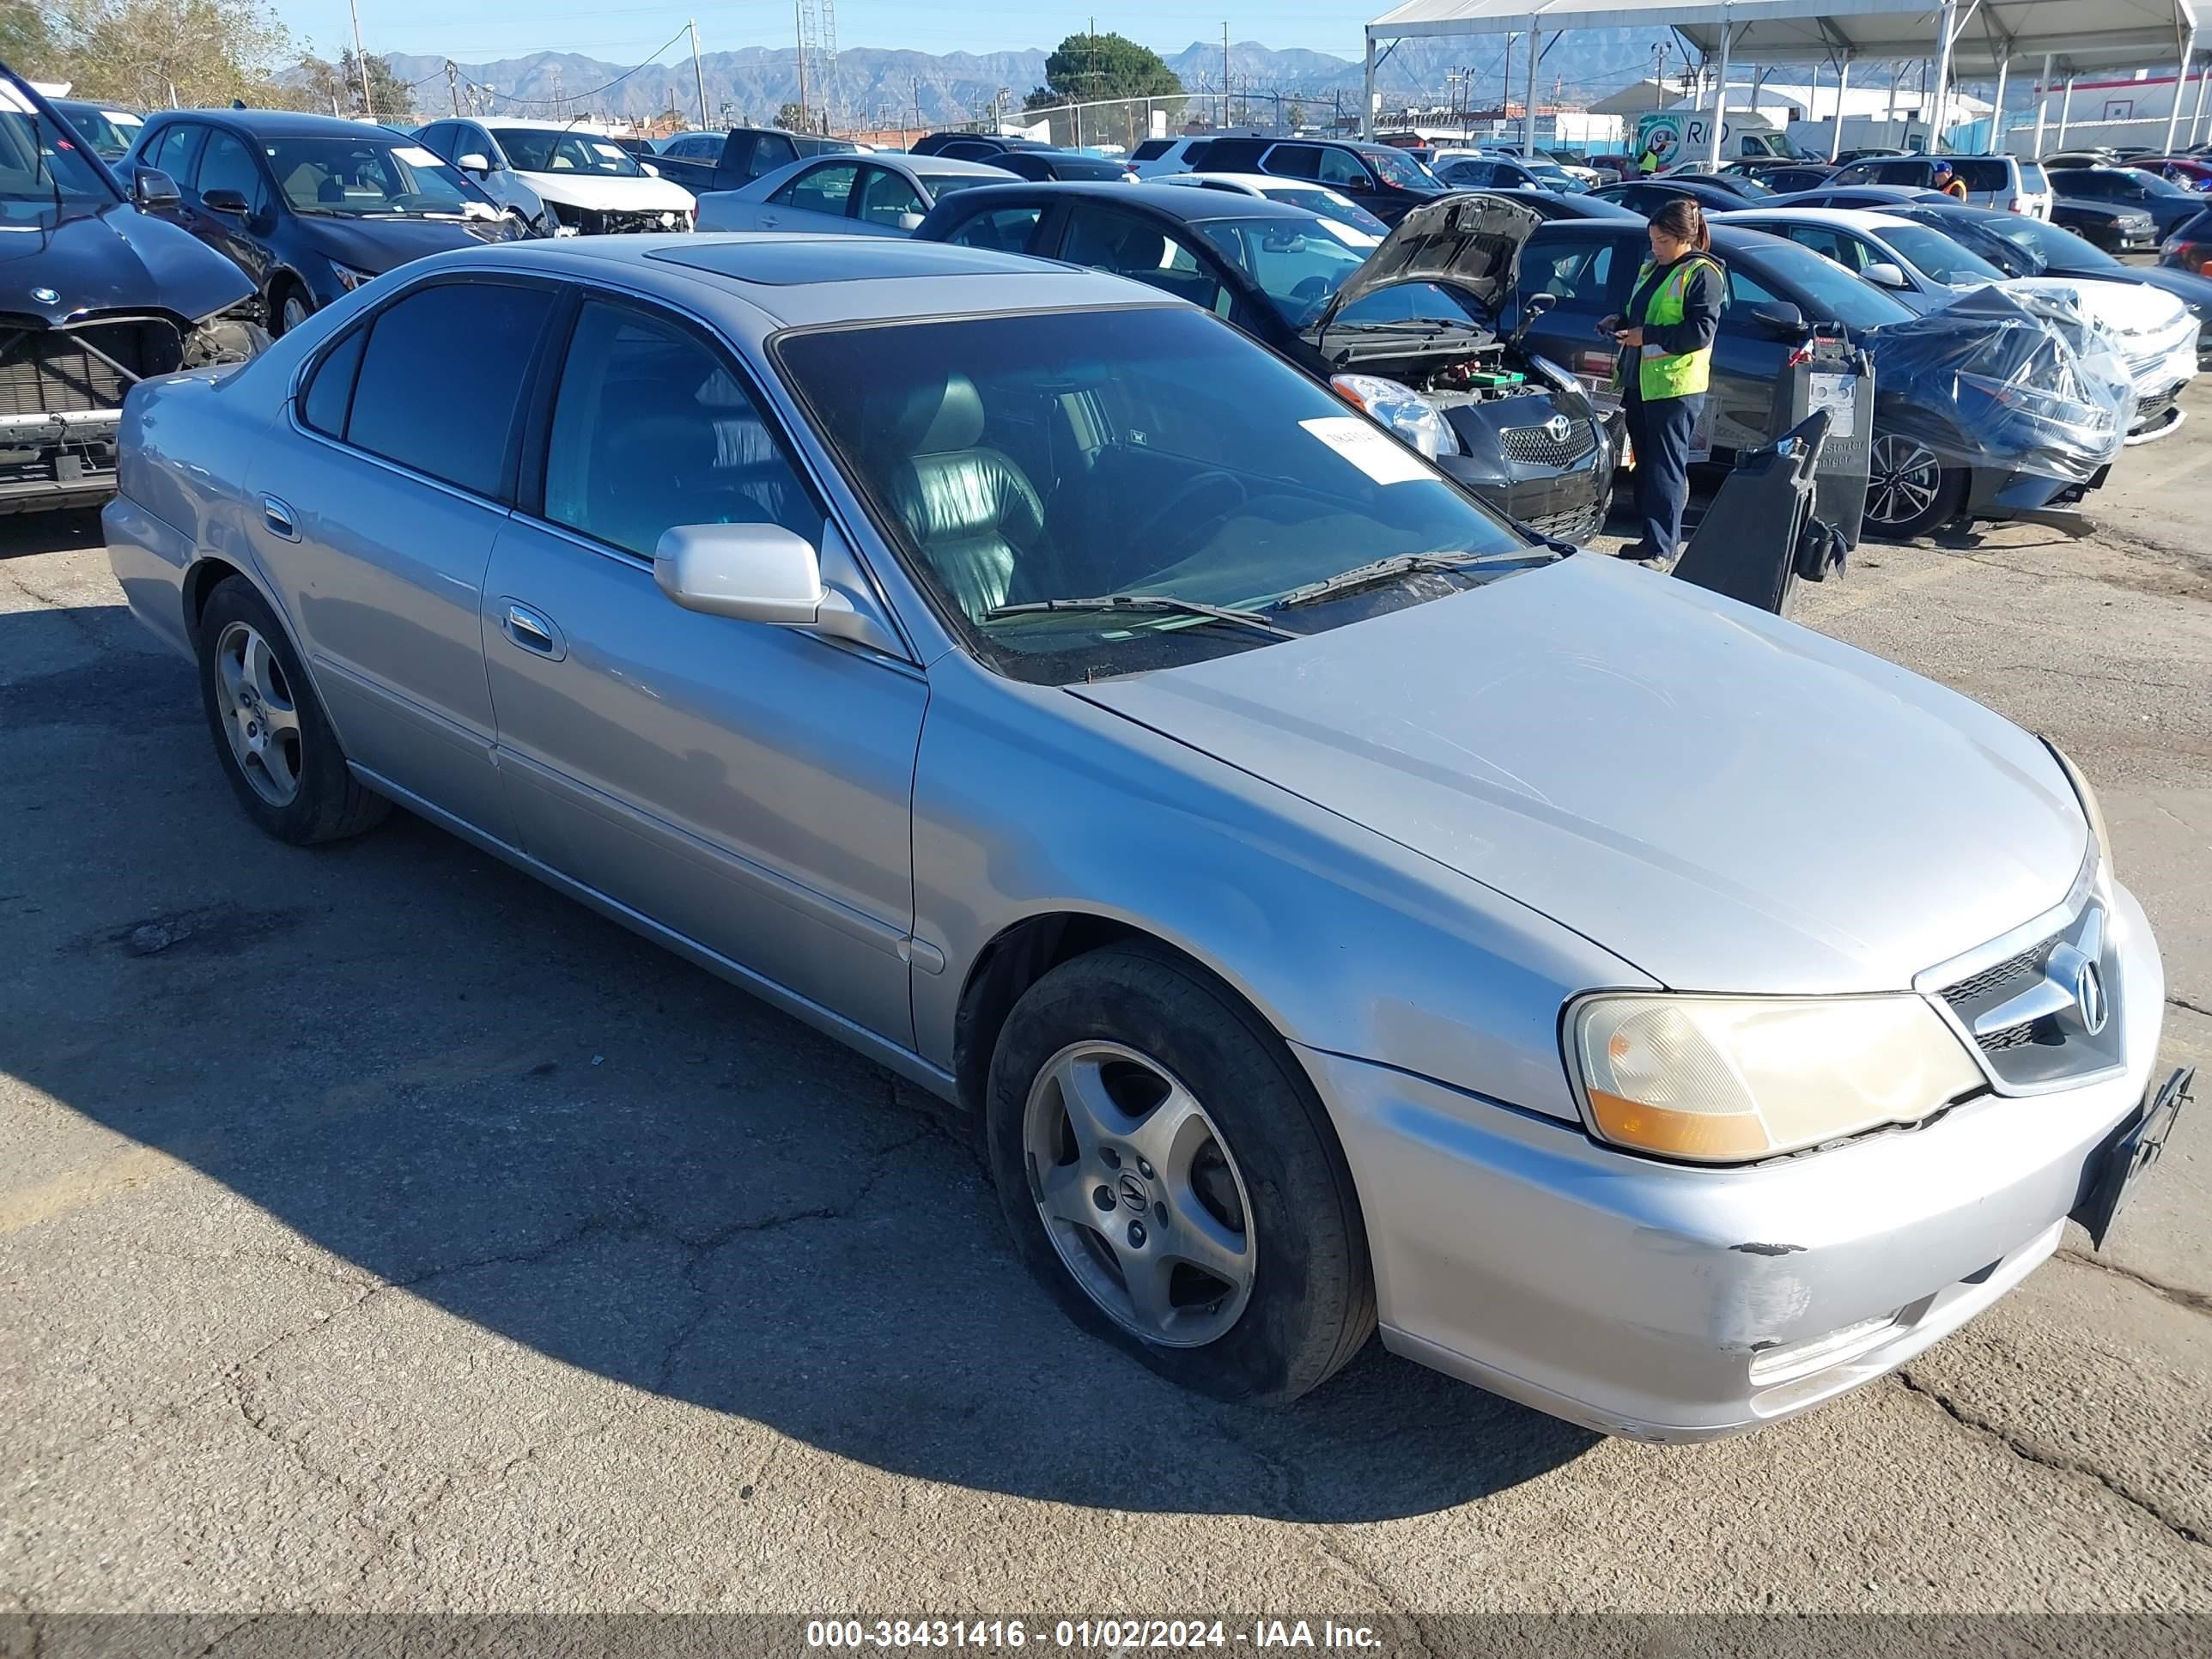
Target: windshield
(543, 149)
(2058, 248)
(109, 131)
(41, 160)
(1297, 263)
(1402, 170)
(1974, 234)
(1941, 257)
(355, 178)
(1825, 292)
(1152, 451)
(2154, 185)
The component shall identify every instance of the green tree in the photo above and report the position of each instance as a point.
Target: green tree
(1294, 115)
(792, 118)
(144, 53)
(25, 42)
(1085, 67)
(335, 88)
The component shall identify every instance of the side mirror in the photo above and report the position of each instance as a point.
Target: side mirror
(223, 201)
(1884, 274)
(473, 162)
(153, 190)
(759, 572)
(911, 220)
(648, 169)
(1539, 303)
(1779, 317)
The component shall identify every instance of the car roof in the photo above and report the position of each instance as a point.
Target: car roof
(1179, 202)
(943, 166)
(784, 280)
(1260, 181)
(1846, 218)
(277, 123)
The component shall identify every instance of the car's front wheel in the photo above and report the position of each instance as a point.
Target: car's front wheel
(1909, 490)
(1171, 1177)
(271, 733)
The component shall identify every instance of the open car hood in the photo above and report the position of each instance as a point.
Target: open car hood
(1470, 238)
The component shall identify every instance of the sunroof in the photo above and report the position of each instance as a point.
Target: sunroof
(787, 261)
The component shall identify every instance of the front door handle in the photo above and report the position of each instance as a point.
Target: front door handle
(278, 517)
(531, 631)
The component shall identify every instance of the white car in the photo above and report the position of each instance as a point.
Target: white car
(588, 183)
(2152, 330)
(1155, 156)
(1298, 192)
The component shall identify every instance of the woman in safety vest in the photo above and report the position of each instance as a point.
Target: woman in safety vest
(1666, 360)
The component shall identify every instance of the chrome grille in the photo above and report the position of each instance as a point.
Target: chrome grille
(56, 371)
(2028, 1013)
(1578, 526)
(2005, 978)
(1532, 445)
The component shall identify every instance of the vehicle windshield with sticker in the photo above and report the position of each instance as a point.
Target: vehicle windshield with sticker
(1088, 493)
(360, 177)
(541, 149)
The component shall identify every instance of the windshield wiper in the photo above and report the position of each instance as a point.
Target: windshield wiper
(1403, 564)
(1159, 603)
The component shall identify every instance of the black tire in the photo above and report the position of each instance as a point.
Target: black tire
(330, 804)
(283, 292)
(1897, 519)
(1312, 1303)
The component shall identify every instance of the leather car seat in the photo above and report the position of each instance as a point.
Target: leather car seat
(969, 508)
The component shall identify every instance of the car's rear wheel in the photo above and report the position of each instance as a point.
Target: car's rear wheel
(1909, 490)
(1172, 1179)
(271, 733)
(288, 307)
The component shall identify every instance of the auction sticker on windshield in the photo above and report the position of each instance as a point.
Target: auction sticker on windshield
(1370, 449)
(415, 156)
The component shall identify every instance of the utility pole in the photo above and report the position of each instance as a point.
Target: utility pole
(799, 24)
(361, 61)
(452, 85)
(698, 75)
(1225, 72)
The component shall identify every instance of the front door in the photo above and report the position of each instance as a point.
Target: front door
(747, 786)
(227, 163)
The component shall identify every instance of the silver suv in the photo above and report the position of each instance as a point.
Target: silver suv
(2004, 182)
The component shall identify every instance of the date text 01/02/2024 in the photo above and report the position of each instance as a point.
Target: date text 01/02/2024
(1081, 1635)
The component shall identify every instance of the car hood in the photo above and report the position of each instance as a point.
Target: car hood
(376, 246)
(1722, 799)
(114, 259)
(1470, 238)
(608, 194)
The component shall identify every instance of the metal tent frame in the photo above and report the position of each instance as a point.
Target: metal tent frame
(1973, 37)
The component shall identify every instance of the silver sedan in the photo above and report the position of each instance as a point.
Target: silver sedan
(882, 194)
(1331, 910)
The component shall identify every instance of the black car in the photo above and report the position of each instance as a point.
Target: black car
(1505, 172)
(1419, 312)
(2021, 246)
(108, 129)
(2115, 228)
(1023, 157)
(1784, 177)
(2129, 190)
(971, 146)
(1646, 197)
(1746, 189)
(102, 293)
(309, 206)
(1882, 198)
(1548, 204)
(1383, 178)
(2189, 250)
(1775, 289)
(701, 161)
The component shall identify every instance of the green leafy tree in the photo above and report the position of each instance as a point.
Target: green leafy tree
(1294, 115)
(144, 53)
(1086, 67)
(792, 118)
(335, 88)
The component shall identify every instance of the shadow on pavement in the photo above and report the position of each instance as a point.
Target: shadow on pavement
(466, 1085)
(25, 533)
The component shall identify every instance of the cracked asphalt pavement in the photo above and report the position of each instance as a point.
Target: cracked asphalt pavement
(379, 1231)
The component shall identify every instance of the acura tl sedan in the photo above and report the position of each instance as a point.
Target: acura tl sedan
(1331, 907)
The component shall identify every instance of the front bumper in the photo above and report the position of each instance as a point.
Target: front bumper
(1664, 1302)
(66, 459)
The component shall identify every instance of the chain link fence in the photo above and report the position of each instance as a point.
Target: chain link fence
(1117, 126)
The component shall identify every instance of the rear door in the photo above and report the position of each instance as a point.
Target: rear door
(885, 203)
(1589, 273)
(377, 518)
(746, 786)
(816, 199)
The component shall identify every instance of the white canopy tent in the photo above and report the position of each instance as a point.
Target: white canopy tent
(1976, 37)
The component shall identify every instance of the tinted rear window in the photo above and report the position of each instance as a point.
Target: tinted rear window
(1151, 150)
(442, 376)
(2031, 178)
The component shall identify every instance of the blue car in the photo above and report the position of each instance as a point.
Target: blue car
(309, 206)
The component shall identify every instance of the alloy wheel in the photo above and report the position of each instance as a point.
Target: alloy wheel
(260, 716)
(295, 314)
(1139, 1194)
(1905, 480)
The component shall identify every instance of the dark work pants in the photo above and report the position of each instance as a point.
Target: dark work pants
(1660, 431)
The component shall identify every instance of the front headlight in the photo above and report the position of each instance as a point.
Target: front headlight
(349, 278)
(2090, 809)
(1725, 1079)
(1402, 410)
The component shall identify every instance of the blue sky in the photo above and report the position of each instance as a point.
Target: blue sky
(476, 30)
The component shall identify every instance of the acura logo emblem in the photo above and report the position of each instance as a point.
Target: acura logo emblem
(1133, 1193)
(2089, 997)
(1557, 427)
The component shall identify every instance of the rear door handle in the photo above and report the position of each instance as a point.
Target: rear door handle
(531, 631)
(278, 518)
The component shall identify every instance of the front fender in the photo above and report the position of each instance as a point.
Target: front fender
(1030, 801)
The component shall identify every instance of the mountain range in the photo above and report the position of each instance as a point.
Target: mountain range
(888, 86)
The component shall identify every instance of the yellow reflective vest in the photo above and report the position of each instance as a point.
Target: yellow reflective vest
(1663, 373)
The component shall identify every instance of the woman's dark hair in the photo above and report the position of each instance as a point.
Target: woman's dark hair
(1685, 220)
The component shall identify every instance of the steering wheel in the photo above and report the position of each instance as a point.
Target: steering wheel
(1213, 478)
(1313, 288)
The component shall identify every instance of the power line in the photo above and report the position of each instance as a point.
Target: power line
(653, 62)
